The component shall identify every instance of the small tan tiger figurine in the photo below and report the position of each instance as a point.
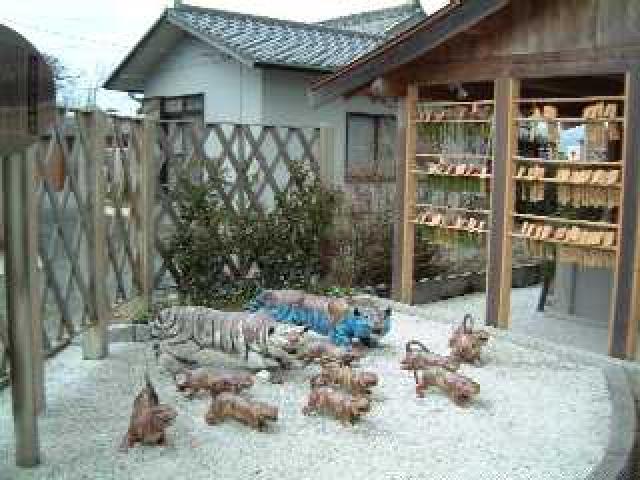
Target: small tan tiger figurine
(325, 352)
(214, 382)
(357, 383)
(466, 343)
(419, 360)
(347, 408)
(229, 405)
(461, 389)
(149, 419)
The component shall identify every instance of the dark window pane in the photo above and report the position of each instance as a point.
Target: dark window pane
(360, 146)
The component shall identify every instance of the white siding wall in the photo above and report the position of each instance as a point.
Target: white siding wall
(285, 102)
(233, 92)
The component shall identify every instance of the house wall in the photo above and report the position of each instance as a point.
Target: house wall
(235, 93)
(285, 102)
(232, 91)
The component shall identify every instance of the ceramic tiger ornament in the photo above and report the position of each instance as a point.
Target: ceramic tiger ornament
(231, 332)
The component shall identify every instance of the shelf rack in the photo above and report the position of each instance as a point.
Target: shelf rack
(454, 155)
(573, 163)
(569, 120)
(434, 174)
(452, 209)
(565, 182)
(449, 227)
(565, 243)
(565, 221)
(613, 98)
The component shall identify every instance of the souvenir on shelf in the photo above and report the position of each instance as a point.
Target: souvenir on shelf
(568, 177)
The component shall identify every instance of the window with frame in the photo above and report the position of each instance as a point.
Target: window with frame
(371, 144)
(185, 106)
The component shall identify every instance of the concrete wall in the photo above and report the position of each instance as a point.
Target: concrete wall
(585, 292)
(232, 91)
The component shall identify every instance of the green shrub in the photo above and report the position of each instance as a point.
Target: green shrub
(223, 257)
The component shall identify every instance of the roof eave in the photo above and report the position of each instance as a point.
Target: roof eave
(404, 48)
(298, 67)
(109, 84)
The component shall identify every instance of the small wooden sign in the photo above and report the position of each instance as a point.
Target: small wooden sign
(27, 93)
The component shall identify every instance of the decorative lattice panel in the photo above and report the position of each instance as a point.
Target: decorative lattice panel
(122, 184)
(64, 227)
(254, 161)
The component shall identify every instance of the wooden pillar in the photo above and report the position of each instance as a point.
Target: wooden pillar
(406, 196)
(36, 300)
(623, 325)
(148, 180)
(326, 157)
(498, 308)
(95, 344)
(17, 188)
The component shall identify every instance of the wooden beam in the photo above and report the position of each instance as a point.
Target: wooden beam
(407, 192)
(601, 61)
(95, 344)
(398, 231)
(498, 308)
(623, 325)
(16, 189)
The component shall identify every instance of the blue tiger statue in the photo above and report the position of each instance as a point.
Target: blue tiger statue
(342, 320)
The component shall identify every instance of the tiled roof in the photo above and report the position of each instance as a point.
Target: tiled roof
(379, 22)
(270, 41)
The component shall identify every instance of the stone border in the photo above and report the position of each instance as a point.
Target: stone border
(619, 459)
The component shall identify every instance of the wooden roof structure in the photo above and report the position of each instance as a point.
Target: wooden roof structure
(509, 50)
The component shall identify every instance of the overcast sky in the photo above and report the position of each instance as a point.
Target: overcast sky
(92, 36)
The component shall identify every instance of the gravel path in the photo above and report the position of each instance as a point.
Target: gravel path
(537, 417)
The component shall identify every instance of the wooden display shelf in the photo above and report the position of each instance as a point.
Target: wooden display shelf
(449, 103)
(453, 209)
(449, 227)
(571, 100)
(432, 174)
(470, 120)
(570, 120)
(455, 155)
(566, 182)
(574, 163)
(566, 221)
(565, 243)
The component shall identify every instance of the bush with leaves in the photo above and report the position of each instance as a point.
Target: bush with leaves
(221, 258)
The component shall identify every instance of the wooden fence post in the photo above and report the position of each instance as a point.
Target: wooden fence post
(148, 181)
(498, 307)
(32, 257)
(17, 188)
(96, 340)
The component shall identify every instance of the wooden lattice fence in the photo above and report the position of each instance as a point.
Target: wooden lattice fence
(254, 160)
(103, 210)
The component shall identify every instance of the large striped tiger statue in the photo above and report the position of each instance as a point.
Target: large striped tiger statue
(230, 332)
(343, 320)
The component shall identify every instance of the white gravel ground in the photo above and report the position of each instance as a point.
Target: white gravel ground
(537, 417)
